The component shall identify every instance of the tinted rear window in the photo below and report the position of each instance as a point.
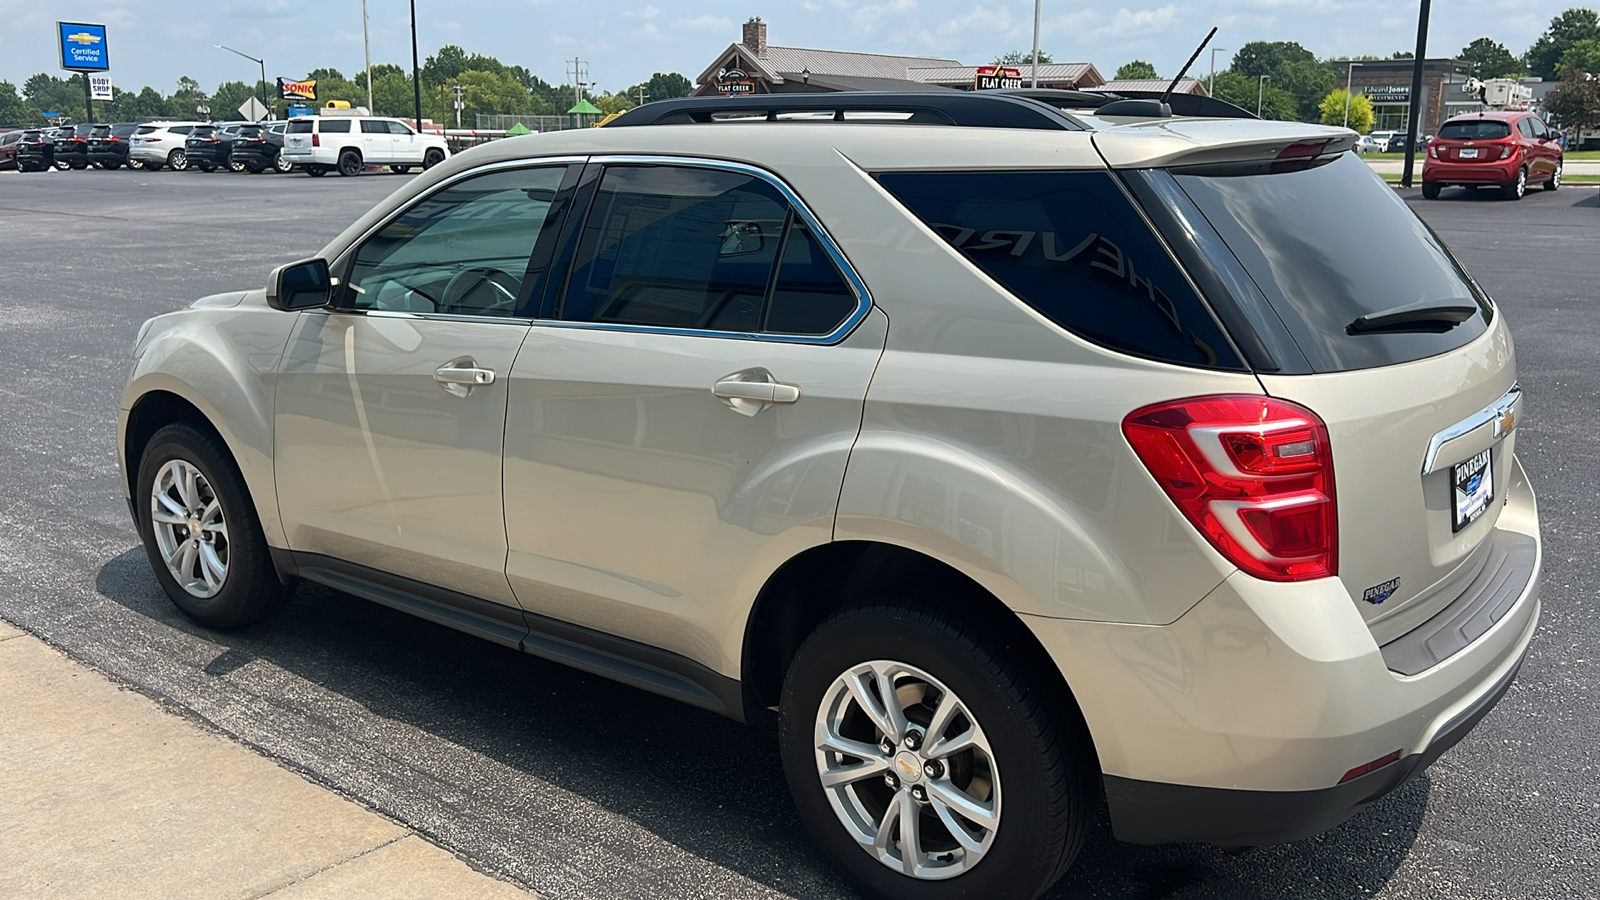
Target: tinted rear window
(250, 131)
(1329, 244)
(335, 126)
(100, 131)
(301, 127)
(202, 130)
(1475, 130)
(1070, 245)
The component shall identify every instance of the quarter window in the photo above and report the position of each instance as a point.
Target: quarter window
(696, 248)
(335, 126)
(462, 250)
(1069, 245)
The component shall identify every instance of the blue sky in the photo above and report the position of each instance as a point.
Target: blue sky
(623, 41)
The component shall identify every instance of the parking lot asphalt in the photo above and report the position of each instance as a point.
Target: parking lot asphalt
(578, 787)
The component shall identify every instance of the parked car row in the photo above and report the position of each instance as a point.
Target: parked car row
(314, 144)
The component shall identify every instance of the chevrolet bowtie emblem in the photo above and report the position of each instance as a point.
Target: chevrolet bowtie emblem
(84, 37)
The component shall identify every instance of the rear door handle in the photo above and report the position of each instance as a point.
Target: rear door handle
(461, 376)
(753, 390)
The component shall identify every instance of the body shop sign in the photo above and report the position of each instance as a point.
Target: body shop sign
(83, 47)
(731, 81)
(996, 78)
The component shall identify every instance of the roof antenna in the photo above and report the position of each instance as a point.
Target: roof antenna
(1185, 70)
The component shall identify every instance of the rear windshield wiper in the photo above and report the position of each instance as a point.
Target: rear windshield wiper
(1427, 316)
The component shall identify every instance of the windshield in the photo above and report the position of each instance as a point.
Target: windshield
(1333, 243)
(1475, 130)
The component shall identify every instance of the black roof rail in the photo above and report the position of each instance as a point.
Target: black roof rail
(1189, 104)
(973, 109)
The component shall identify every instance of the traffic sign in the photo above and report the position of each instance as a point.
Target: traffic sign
(253, 110)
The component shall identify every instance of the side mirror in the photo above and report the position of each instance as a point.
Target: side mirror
(301, 285)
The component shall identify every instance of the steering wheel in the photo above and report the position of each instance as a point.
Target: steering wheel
(480, 289)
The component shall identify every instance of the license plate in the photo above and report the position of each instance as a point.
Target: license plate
(1473, 486)
(1469, 154)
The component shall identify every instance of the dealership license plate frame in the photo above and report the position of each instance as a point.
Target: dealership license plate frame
(1471, 489)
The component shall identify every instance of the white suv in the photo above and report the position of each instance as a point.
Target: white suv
(350, 143)
(158, 144)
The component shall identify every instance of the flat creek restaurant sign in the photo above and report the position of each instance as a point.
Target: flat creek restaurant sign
(997, 78)
(732, 82)
(1387, 93)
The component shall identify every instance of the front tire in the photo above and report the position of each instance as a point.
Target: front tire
(349, 164)
(400, 170)
(432, 158)
(316, 171)
(279, 164)
(872, 705)
(1430, 190)
(201, 533)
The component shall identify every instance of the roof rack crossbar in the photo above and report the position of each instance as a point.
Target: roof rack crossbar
(973, 109)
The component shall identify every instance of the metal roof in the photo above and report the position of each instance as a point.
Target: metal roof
(792, 60)
(1185, 85)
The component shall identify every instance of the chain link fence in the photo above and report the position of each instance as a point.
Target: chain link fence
(500, 122)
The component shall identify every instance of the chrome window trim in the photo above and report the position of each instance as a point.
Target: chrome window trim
(1491, 413)
(343, 257)
(839, 332)
(439, 317)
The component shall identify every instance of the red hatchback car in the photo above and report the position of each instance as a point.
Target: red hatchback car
(1509, 150)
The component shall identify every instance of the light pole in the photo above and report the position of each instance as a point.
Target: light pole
(367, 44)
(1261, 89)
(1350, 75)
(416, 77)
(263, 85)
(1212, 87)
(1037, 9)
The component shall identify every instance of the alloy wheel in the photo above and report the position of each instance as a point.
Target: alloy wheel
(178, 160)
(908, 770)
(190, 530)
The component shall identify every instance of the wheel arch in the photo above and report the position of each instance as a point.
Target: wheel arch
(823, 579)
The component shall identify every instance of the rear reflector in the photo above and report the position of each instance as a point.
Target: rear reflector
(1254, 474)
(1368, 768)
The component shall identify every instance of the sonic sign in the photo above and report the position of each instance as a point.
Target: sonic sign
(995, 78)
(83, 47)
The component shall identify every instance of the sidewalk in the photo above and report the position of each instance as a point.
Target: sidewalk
(104, 794)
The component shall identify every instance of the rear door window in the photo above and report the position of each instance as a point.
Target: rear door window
(1333, 243)
(398, 127)
(374, 126)
(1072, 247)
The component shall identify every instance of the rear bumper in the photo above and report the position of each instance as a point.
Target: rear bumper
(1237, 723)
(254, 156)
(1496, 172)
(104, 156)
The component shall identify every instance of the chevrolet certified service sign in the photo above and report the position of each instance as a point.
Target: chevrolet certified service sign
(83, 47)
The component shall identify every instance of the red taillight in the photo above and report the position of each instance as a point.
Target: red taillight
(316, 140)
(1367, 768)
(1254, 474)
(152, 140)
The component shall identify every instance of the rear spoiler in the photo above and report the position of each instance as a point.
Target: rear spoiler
(1167, 143)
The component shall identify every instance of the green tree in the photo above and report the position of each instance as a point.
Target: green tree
(391, 92)
(1575, 103)
(1135, 69)
(1577, 24)
(614, 103)
(62, 95)
(147, 104)
(1332, 110)
(332, 85)
(13, 109)
(493, 93)
(228, 97)
(183, 101)
(1289, 67)
(1243, 90)
(1490, 59)
(1583, 58)
(1023, 58)
(1402, 54)
(662, 86)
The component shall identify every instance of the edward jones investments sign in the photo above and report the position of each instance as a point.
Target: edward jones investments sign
(83, 47)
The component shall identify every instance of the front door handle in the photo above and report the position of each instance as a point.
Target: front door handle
(460, 376)
(753, 390)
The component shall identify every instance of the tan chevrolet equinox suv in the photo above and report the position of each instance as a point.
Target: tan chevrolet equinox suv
(1015, 449)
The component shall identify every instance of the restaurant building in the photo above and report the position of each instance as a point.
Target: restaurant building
(752, 66)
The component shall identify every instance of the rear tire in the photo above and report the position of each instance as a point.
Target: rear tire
(1554, 184)
(1430, 190)
(316, 171)
(349, 163)
(1032, 772)
(206, 167)
(223, 532)
(279, 164)
(254, 170)
(110, 166)
(1517, 188)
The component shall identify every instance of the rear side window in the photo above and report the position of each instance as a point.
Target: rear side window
(182, 129)
(696, 248)
(1330, 244)
(1475, 130)
(301, 127)
(374, 126)
(1070, 245)
(335, 126)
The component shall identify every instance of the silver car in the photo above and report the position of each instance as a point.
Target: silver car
(1010, 448)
